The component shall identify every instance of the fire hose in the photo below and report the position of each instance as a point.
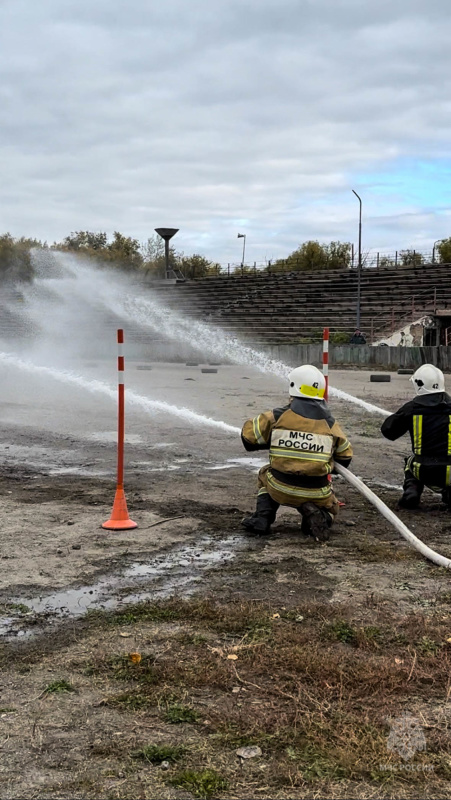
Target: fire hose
(422, 548)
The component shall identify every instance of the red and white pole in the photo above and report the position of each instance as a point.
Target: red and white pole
(120, 521)
(326, 361)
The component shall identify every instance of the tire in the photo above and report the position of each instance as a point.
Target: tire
(192, 364)
(380, 378)
(402, 371)
(209, 370)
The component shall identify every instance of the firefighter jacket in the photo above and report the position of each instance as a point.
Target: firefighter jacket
(427, 418)
(303, 440)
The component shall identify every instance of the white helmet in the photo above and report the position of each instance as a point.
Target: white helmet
(307, 381)
(428, 380)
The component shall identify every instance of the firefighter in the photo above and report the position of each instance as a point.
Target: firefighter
(427, 418)
(303, 440)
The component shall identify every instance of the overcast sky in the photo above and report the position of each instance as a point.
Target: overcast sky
(221, 117)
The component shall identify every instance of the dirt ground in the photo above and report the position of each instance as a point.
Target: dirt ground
(66, 586)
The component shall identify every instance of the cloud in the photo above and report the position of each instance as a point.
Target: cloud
(204, 116)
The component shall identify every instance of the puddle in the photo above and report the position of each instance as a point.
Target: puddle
(253, 463)
(175, 572)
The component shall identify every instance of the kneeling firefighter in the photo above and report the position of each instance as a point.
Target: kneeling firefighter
(427, 418)
(303, 440)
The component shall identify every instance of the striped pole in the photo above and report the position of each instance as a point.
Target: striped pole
(121, 408)
(120, 521)
(326, 361)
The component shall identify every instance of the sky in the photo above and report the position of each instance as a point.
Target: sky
(220, 117)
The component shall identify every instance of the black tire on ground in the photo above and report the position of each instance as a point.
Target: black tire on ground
(402, 371)
(192, 364)
(380, 378)
(209, 370)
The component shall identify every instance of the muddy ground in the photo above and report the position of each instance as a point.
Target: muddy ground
(187, 487)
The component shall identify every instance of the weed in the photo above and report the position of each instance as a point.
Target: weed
(341, 631)
(59, 686)
(428, 647)
(121, 668)
(203, 784)
(8, 710)
(176, 714)
(19, 608)
(156, 753)
(131, 701)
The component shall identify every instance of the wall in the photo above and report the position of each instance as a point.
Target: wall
(346, 355)
(364, 356)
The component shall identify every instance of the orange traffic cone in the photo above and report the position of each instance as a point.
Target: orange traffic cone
(120, 521)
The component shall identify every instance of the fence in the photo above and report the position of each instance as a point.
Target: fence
(378, 260)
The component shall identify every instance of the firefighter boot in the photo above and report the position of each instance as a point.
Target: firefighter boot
(412, 490)
(261, 520)
(316, 521)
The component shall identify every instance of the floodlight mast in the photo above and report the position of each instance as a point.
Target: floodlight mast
(166, 234)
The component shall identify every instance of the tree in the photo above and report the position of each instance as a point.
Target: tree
(154, 260)
(122, 250)
(16, 263)
(444, 251)
(410, 258)
(385, 262)
(197, 266)
(125, 250)
(85, 240)
(312, 256)
(338, 255)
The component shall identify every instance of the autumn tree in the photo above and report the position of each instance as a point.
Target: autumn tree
(444, 251)
(410, 258)
(16, 263)
(312, 256)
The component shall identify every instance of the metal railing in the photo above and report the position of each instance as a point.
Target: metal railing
(379, 260)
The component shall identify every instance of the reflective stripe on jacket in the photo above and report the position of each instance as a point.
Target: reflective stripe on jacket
(303, 441)
(427, 419)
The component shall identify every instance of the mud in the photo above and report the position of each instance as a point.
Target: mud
(187, 488)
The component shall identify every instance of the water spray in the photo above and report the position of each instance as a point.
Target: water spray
(98, 387)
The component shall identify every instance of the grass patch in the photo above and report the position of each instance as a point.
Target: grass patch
(341, 631)
(56, 687)
(14, 608)
(428, 647)
(238, 617)
(204, 784)
(177, 714)
(129, 701)
(156, 753)
(122, 668)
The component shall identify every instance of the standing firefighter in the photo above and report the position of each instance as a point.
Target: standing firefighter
(303, 440)
(428, 420)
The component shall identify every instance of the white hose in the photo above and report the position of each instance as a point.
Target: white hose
(388, 514)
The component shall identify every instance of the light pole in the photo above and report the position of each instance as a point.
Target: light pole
(359, 267)
(166, 234)
(242, 236)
